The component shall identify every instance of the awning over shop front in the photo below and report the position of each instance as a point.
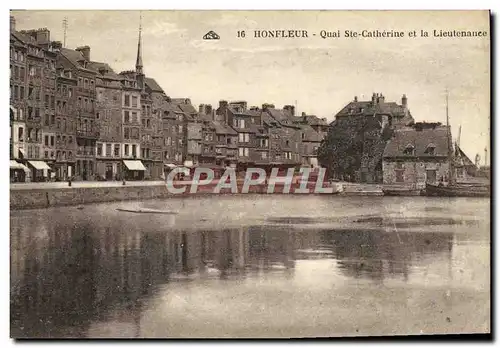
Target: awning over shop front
(40, 165)
(17, 165)
(134, 165)
(170, 165)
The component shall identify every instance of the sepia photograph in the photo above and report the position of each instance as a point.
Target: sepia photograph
(246, 174)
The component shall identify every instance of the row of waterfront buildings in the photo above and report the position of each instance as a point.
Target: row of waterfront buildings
(74, 117)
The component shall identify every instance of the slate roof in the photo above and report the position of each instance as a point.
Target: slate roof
(312, 120)
(283, 117)
(187, 108)
(110, 74)
(267, 119)
(221, 128)
(420, 140)
(151, 83)
(75, 57)
(310, 135)
(24, 38)
(245, 112)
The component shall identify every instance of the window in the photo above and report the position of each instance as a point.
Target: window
(70, 139)
(126, 100)
(108, 150)
(409, 150)
(117, 150)
(97, 115)
(126, 134)
(20, 134)
(263, 155)
(430, 150)
(243, 151)
(80, 81)
(143, 122)
(46, 140)
(148, 123)
(99, 149)
(46, 154)
(52, 143)
(127, 117)
(126, 149)
(134, 151)
(134, 117)
(180, 129)
(134, 101)
(86, 83)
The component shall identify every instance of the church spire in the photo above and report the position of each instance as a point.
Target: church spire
(138, 62)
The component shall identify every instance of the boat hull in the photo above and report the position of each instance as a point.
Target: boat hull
(457, 191)
(388, 192)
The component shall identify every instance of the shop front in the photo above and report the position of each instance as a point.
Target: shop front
(133, 170)
(40, 171)
(19, 172)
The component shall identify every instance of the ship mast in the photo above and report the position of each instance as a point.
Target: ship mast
(451, 174)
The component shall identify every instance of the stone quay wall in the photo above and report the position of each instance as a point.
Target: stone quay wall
(36, 198)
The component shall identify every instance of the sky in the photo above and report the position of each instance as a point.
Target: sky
(319, 75)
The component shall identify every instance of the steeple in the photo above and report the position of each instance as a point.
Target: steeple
(138, 62)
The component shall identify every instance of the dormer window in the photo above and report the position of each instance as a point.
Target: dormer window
(430, 150)
(409, 150)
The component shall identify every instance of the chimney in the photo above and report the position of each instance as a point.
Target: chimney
(85, 50)
(381, 99)
(222, 104)
(404, 101)
(303, 113)
(208, 109)
(374, 97)
(12, 23)
(290, 109)
(56, 45)
(355, 99)
(43, 36)
(201, 109)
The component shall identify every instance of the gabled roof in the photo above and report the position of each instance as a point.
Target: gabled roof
(245, 112)
(75, 57)
(267, 119)
(310, 134)
(283, 117)
(221, 128)
(420, 140)
(110, 73)
(186, 108)
(151, 83)
(24, 38)
(368, 108)
(312, 120)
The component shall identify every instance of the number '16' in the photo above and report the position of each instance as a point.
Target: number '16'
(241, 33)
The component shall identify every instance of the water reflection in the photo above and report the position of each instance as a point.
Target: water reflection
(70, 276)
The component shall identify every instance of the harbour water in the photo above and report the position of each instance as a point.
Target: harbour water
(252, 266)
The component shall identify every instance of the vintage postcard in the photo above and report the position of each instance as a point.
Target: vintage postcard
(249, 174)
